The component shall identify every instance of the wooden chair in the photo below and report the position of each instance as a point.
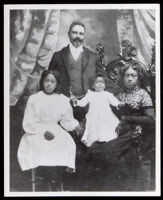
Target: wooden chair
(36, 180)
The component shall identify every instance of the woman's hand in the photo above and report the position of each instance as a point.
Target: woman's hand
(137, 133)
(48, 135)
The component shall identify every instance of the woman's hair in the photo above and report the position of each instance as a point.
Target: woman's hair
(139, 68)
(114, 64)
(56, 74)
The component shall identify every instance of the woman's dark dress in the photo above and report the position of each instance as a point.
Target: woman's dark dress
(123, 155)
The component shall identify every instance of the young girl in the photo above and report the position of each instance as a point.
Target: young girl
(136, 129)
(101, 122)
(47, 118)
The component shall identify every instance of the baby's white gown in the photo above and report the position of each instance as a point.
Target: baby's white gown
(101, 122)
(42, 113)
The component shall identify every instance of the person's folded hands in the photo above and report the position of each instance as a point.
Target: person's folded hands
(48, 135)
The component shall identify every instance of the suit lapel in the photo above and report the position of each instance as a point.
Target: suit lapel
(85, 57)
(64, 54)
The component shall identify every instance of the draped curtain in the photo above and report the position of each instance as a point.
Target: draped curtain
(138, 26)
(35, 34)
(33, 37)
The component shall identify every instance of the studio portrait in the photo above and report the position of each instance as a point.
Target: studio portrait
(82, 94)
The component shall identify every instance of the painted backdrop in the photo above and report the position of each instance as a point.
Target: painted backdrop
(36, 34)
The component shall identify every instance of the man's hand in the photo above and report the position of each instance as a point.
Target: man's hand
(74, 100)
(48, 135)
(79, 130)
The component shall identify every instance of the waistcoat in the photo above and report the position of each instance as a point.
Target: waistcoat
(75, 75)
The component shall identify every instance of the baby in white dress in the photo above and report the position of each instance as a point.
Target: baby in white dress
(101, 122)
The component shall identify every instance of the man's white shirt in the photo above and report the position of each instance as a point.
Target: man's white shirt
(75, 51)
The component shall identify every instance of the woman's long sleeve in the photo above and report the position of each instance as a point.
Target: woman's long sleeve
(68, 121)
(148, 110)
(146, 119)
(31, 120)
(142, 120)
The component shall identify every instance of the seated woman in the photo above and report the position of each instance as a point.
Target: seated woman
(47, 118)
(124, 154)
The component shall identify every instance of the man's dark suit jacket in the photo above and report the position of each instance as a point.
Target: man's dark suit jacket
(90, 68)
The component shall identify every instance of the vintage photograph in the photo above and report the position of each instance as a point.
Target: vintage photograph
(82, 100)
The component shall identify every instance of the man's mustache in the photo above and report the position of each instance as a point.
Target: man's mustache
(77, 40)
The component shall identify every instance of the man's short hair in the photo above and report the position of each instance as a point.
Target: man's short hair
(77, 23)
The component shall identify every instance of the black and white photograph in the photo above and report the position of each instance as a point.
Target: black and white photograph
(82, 100)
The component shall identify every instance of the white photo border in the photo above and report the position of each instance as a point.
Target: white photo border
(7, 9)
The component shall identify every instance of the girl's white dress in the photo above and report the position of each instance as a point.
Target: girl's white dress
(101, 122)
(43, 113)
